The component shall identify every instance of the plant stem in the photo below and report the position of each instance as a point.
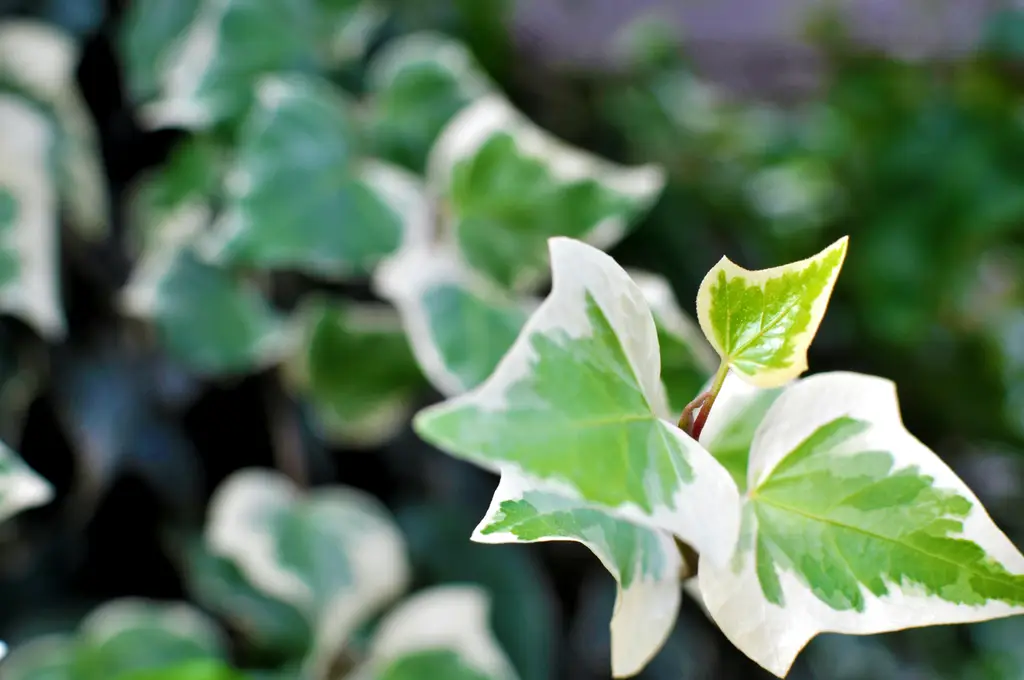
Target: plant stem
(709, 401)
(686, 419)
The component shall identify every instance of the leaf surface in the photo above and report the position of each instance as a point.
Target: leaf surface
(21, 487)
(577, 407)
(762, 322)
(851, 525)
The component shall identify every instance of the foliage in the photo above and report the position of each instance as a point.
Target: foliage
(360, 204)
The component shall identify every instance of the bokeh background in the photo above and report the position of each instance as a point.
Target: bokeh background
(782, 126)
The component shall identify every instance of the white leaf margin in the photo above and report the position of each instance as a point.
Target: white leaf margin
(645, 612)
(773, 636)
(427, 46)
(21, 487)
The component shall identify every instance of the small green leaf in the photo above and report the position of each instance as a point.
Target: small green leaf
(577, 407)
(206, 318)
(459, 326)
(21, 487)
(356, 368)
(645, 562)
(149, 31)
(762, 322)
(417, 83)
(331, 213)
(335, 554)
(29, 226)
(507, 186)
(851, 525)
(203, 669)
(344, 28)
(687, 361)
(49, 657)
(442, 632)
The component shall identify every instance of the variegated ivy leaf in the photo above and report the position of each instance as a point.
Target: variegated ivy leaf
(208, 75)
(762, 322)
(417, 83)
(577, 407)
(645, 562)
(332, 213)
(687, 361)
(459, 324)
(357, 370)
(507, 186)
(335, 554)
(108, 642)
(149, 31)
(39, 63)
(443, 632)
(851, 525)
(21, 487)
(29, 210)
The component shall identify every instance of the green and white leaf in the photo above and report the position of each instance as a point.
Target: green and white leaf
(346, 27)
(47, 657)
(507, 186)
(687, 360)
(417, 83)
(21, 487)
(762, 322)
(577, 407)
(460, 325)
(335, 554)
(851, 525)
(357, 370)
(332, 213)
(645, 562)
(39, 63)
(441, 632)
(29, 220)
(149, 32)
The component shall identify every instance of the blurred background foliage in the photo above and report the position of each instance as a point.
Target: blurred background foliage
(183, 306)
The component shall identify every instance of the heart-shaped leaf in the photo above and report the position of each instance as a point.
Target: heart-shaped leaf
(442, 632)
(507, 186)
(417, 83)
(459, 325)
(577, 407)
(357, 370)
(851, 525)
(645, 562)
(331, 213)
(762, 322)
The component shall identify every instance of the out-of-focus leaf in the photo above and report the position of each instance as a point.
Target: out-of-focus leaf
(206, 318)
(507, 186)
(525, 611)
(345, 27)
(29, 229)
(266, 623)
(445, 630)
(39, 63)
(20, 486)
(334, 554)
(687, 360)
(331, 213)
(149, 31)
(50, 657)
(417, 83)
(79, 17)
(459, 325)
(357, 370)
(205, 669)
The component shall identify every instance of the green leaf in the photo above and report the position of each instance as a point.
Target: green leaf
(344, 28)
(851, 525)
(266, 623)
(577, 407)
(206, 669)
(417, 83)
(148, 34)
(443, 630)
(21, 487)
(331, 213)
(687, 361)
(645, 562)
(206, 318)
(335, 554)
(356, 368)
(762, 322)
(29, 221)
(48, 82)
(459, 325)
(49, 657)
(507, 186)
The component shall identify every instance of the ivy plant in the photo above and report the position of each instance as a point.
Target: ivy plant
(803, 502)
